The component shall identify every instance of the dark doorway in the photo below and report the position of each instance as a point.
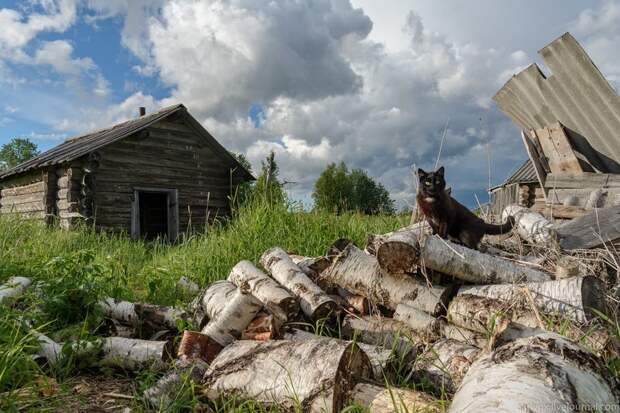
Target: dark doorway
(153, 214)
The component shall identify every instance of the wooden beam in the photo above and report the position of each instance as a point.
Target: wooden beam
(537, 160)
(558, 150)
(559, 210)
(591, 230)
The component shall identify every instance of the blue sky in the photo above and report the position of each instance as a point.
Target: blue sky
(366, 82)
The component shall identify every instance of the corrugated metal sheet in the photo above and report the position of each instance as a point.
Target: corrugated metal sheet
(524, 174)
(576, 94)
(76, 147)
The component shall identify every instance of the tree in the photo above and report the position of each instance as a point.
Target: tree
(339, 190)
(267, 183)
(18, 150)
(243, 191)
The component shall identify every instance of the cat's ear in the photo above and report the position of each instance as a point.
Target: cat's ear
(421, 173)
(440, 171)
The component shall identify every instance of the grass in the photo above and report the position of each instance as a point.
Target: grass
(74, 269)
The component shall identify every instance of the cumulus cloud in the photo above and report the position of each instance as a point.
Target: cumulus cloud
(58, 54)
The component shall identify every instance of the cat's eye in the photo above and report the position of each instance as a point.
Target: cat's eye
(427, 182)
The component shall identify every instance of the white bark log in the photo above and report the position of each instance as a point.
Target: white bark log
(358, 303)
(133, 354)
(374, 241)
(312, 376)
(417, 320)
(540, 373)
(229, 323)
(198, 346)
(404, 250)
(385, 332)
(444, 365)
(14, 287)
(274, 297)
(311, 266)
(574, 298)
(314, 303)
(531, 226)
(185, 372)
(155, 317)
(463, 335)
(212, 301)
(392, 400)
(486, 315)
(359, 273)
(383, 361)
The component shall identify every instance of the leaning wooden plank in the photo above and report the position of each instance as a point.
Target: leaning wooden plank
(558, 150)
(229, 323)
(274, 297)
(313, 301)
(313, 376)
(592, 230)
(530, 225)
(577, 298)
(388, 400)
(12, 288)
(360, 273)
(540, 164)
(185, 372)
(533, 373)
(155, 317)
(444, 365)
(404, 250)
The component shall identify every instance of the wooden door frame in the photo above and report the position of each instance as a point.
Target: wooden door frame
(172, 203)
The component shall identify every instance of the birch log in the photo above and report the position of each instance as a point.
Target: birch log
(374, 241)
(229, 323)
(358, 303)
(184, 373)
(187, 285)
(575, 298)
(311, 266)
(277, 299)
(198, 346)
(486, 315)
(385, 332)
(14, 287)
(444, 365)
(537, 374)
(264, 327)
(314, 303)
(359, 273)
(417, 320)
(133, 354)
(213, 300)
(463, 335)
(312, 376)
(383, 361)
(404, 250)
(531, 226)
(155, 317)
(381, 400)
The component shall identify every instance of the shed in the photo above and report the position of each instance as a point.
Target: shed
(156, 175)
(519, 188)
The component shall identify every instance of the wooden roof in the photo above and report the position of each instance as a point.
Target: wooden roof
(78, 146)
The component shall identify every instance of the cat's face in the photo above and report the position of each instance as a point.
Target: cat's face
(431, 184)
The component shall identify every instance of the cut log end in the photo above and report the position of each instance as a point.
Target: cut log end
(593, 297)
(198, 346)
(398, 257)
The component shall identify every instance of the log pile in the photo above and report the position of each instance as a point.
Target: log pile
(366, 326)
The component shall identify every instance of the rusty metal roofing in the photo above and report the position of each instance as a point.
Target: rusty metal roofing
(524, 174)
(78, 146)
(576, 94)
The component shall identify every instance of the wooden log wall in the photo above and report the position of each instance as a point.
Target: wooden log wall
(170, 155)
(67, 195)
(25, 195)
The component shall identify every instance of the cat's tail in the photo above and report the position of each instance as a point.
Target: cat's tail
(493, 229)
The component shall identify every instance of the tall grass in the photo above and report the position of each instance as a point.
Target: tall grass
(73, 269)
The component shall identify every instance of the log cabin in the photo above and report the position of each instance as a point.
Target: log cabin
(157, 175)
